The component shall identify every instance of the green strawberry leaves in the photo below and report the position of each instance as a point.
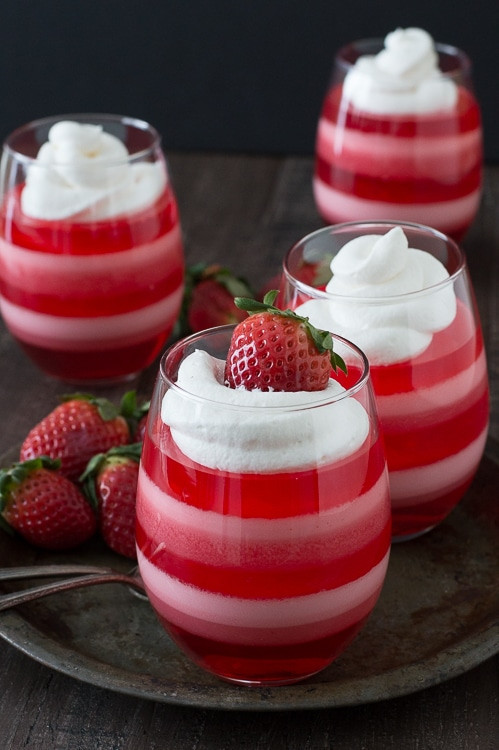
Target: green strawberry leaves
(107, 410)
(195, 275)
(130, 451)
(129, 407)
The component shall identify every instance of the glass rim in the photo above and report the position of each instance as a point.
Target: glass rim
(362, 381)
(90, 118)
(383, 300)
(463, 61)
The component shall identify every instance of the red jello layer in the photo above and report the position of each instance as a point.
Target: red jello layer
(451, 351)
(92, 301)
(419, 446)
(415, 516)
(109, 278)
(97, 365)
(297, 579)
(71, 237)
(360, 154)
(317, 529)
(272, 495)
(274, 664)
(464, 117)
(262, 577)
(103, 298)
(398, 190)
(429, 430)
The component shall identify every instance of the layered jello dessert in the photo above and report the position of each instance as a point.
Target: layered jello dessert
(91, 257)
(399, 136)
(263, 516)
(403, 294)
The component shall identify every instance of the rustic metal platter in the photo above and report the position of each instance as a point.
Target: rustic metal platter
(437, 617)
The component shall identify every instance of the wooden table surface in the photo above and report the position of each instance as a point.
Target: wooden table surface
(243, 211)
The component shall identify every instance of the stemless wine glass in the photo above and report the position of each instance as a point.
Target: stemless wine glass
(427, 363)
(377, 158)
(91, 256)
(263, 519)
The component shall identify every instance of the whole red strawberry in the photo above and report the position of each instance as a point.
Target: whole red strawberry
(110, 483)
(313, 274)
(43, 506)
(277, 350)
(209, 298)
(79, 428)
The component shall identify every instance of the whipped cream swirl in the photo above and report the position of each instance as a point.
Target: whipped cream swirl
(404, 77)
(370, 273)
(84, 173)
(213, 430)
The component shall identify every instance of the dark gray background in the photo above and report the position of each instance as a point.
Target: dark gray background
(216, 74)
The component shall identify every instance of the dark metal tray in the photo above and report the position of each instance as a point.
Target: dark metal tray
(436, 618)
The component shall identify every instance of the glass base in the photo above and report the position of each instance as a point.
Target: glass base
(96, 368)
(408, 537)
(277, 682)
(134, 573)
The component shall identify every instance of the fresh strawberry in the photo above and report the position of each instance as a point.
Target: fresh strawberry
(209, 298)
(277, 350)
(140, 431)
(315, 274)
(43, 506)
(81, 427)
(110, 483)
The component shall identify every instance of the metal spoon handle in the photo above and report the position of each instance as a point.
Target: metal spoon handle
(47, 571)
(20, 597)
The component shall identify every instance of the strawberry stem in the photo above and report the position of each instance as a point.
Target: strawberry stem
(323, 340)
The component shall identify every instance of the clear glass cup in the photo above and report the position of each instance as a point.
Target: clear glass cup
(262, 560)
(417, 167)
(433, 405)
(91, 255)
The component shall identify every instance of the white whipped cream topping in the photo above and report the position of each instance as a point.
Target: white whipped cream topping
(214, 432)
(404, 77)
(84, 172)
(367, 272)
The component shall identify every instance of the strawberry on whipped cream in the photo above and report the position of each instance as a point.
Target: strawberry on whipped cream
(399, 136)
(416, 321)
(263, 520)
(91, 258)
(273, 430)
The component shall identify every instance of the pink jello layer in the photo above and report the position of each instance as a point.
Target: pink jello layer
(452, 217)
(230, 565)
(434, 414)
(97, 300)
(298, 549)
(423, 168)
(279, 663)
